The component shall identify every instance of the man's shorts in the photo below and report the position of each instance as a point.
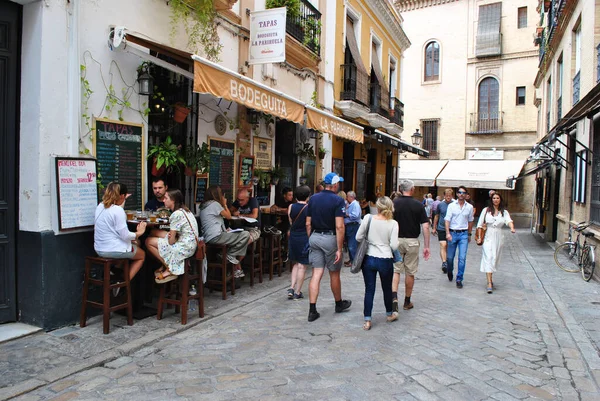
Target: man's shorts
(442, 235)
(409, 249)
(322, 251)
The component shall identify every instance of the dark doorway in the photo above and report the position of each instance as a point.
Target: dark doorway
(348, 173)
(285, 155)
(10, 38)
(389, 175)
(371, 173)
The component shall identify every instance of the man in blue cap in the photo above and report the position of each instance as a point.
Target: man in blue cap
(325, 228)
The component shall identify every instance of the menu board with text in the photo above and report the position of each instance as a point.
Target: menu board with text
(77, 192)
(201, 185)
(119, 149)
(246, 171)
(222, 165)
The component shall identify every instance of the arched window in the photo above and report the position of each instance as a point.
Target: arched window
(489, 95)
(432, 61)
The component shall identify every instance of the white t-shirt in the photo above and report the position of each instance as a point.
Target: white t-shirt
(110, 230)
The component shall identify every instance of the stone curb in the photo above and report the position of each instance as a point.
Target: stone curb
(129, 348)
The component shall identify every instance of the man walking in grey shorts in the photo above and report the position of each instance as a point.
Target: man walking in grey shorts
(325, 228)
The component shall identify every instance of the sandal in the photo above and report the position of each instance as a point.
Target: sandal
(161, 278)
(159, 271)
(367, 325)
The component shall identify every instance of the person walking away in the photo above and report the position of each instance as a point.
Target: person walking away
(435, 204)
(411, 218)
(325, 228)
(429, 207)
(352, 222)
(383, 240)
(298, 242)
(491, 220)
(439, 226)
(458, 225)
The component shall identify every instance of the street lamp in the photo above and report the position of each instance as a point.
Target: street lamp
(145, 81)
(416, 138)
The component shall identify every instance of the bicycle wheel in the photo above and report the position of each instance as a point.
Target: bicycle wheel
(565, 257)
(588, 262)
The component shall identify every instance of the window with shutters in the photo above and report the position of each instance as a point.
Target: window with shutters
(430, 136)
(522, 17)
(432, 61)
(579, 176)
(489, 38)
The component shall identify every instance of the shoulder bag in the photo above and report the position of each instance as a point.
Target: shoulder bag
(201, 248)
(480, 231)
(361, 250)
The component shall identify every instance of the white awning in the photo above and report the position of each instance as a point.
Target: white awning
(488, 174)
(421, 172)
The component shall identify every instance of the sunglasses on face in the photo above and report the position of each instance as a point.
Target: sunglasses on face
(461, 192)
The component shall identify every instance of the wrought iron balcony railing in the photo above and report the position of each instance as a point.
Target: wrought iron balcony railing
(354, 84)
(379, 100)
(486, 123)
(306, 27)
(397, 117)
(576, 88)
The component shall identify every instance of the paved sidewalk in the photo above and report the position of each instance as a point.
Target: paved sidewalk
(535, 337)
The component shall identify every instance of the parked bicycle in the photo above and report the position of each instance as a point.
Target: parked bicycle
(572, 256)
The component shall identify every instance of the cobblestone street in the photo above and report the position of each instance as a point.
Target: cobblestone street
(536, 337)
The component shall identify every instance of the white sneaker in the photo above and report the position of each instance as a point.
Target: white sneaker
(239, 274)
(233, 260)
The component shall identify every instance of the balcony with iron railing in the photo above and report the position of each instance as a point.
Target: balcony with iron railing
(486, 123)
(397, 117)
(306, 26)
(576, 84)
(354, 84)
(379, 100)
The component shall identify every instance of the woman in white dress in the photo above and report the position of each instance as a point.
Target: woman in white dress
(492, 219)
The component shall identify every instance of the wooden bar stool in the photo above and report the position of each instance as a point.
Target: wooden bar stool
(106, 290)
(272, 250)
(177, 292)
(220, 267)
(254, 258)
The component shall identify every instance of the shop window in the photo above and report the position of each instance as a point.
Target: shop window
(432, 61)
(520, 95)
(579, 176)
(522, 17)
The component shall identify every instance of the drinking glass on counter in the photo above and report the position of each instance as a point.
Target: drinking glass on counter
(130, 214)
(153, 217)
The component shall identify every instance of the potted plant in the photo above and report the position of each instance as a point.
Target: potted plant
(305, 151)
(197, 159)
(180, 112)
(165, 156)
(322, 152)
(276, 173)
(262, 177)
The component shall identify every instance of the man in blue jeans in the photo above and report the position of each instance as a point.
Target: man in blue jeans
(352, 222)
(459, 224)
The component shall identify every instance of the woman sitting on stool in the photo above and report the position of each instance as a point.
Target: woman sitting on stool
(179, 243)
(212, 212)
(112, 238)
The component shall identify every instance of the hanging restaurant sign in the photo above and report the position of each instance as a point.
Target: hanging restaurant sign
(330, 124)
(267, 36)
(220, 82)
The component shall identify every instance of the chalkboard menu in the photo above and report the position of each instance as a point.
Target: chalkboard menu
(119, 151)
(201, 185)
(77, 192)
(222, 165)
(246, 171)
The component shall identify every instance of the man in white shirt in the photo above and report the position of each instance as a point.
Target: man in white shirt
(459, 224)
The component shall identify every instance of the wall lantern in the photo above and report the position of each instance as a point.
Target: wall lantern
(145, 81)
(252, 116)
(313, 134)
(416, 138)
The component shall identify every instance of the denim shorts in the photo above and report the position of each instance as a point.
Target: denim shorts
(397, 256)
(118, 255)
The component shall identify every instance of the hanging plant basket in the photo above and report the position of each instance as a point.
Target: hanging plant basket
(180, 112)
(157, 172)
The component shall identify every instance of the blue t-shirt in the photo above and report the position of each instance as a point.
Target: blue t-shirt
(323, 208)
(441, 210)
(154, 204)
(247, 209)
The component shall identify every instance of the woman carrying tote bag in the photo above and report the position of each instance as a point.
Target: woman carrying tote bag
(383, 240)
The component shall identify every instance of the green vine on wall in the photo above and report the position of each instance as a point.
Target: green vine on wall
(198, 18)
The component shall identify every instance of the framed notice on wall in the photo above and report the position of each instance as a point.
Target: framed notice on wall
(200, 187)
(76, 192)
(262, 152)
(246, 171)
(119, 149)
(222, 165)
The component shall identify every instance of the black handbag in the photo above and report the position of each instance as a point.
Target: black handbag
(361, 250)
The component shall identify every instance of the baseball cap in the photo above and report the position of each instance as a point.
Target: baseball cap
(332, 179)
